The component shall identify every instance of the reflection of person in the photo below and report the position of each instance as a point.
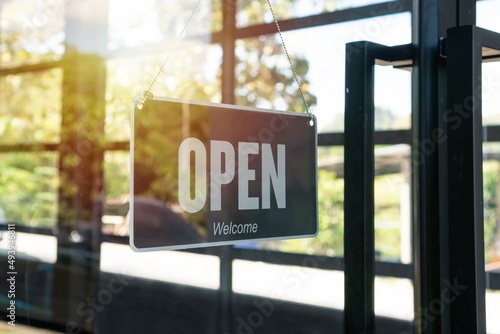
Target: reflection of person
(157, 225)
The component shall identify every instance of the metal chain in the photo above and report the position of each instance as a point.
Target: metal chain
(289, 59)
(147, 93)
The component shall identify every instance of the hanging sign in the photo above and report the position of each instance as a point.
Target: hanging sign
(211, 174)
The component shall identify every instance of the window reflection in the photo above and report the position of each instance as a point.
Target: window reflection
(82, 110)
(28, 188)
(31, 32)
(23, 119)
(134, 24)
(319, 55)
(250, 12)
(191, 73)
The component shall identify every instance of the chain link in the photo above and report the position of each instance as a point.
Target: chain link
(289, 59)
(148, 94)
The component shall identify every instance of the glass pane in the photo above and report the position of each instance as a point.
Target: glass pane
(330, 239)
(117, 189)
(30, 274)
(392, 203)
(197, 270)
(491, 170)
(31, 31)
(264, 77)
(491, 93)
(394, 298)
(117, 173)
(29, 188)
(82, 279)
(40, 247)
(192, 73)
(486, 14)
(491, 185)
(30, 107)
(392, 98)
(250, 12)
(133, 23)
(492, 309)
(278, 283)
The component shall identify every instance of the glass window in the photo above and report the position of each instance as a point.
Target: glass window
(392, 98)
(23, 118)
(65, 163)
(192, 72)
(491, 93)
(134, 24)
(319, 57)
(485, 14)
(31, 32)
(196, 270)
(290, 283)
(330, 239)
(251, 12)
(29, 188)
(491, 196)
(392, 203)
(394, 298)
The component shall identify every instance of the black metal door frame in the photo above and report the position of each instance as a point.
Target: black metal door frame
(465, 207)
(359, 249)
(447, 190)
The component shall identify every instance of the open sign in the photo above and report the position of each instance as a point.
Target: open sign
(223, 154)
(219, 175)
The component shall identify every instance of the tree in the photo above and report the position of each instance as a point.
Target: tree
(265, 79)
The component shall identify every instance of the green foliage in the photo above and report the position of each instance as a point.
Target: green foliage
(116, 174)
(185, 77)
(331, 220)
(263, 74)
(388, 190)
(490, 185)
(30, 107)
(32, 32)
(30, 112)
(265, 79)
(253, 12)
(28, 188)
